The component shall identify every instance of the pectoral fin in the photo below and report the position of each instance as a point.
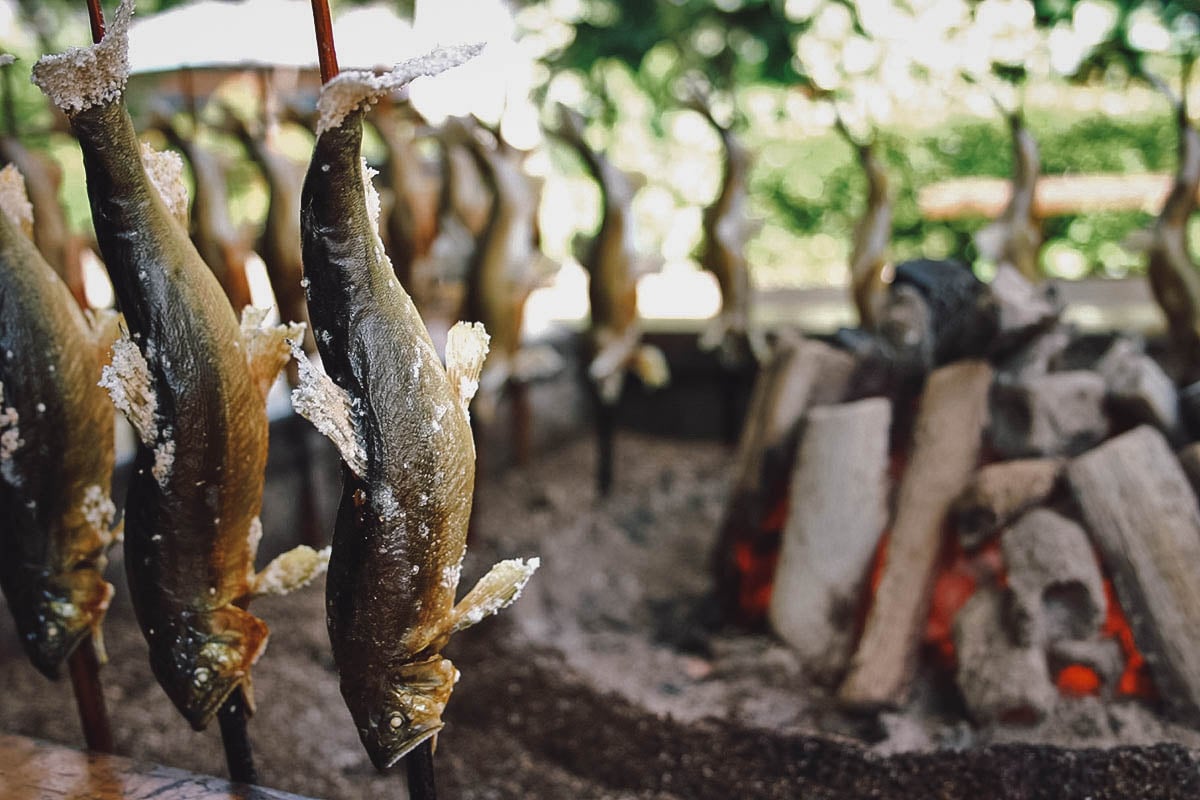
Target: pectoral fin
(293, 570)
(651, 366)
(535, 363)
(466, 349)
(496, 590)
(266, 348)
(330, 409)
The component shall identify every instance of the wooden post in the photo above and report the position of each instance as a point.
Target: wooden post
(420, 772)
(946, 441)
(89, 697)
(238, 753)
(96, 18)
(325, 50)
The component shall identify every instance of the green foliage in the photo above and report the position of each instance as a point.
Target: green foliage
(814, 188)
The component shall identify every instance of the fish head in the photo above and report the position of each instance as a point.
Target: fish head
(60, 615)
(204, 657)
(396, 715)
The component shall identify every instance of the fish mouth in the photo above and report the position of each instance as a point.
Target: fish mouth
(387, 755)
(48, 656)
(199, 710)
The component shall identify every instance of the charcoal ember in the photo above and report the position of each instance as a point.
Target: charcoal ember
(1055, 589)
(1000, 680)
(1057, 414)
(1102, 656)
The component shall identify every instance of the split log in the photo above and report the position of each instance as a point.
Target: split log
(1189, 459)
(1189, 408)
(946, 442)
(1145, 521)
(1000, 680)
(1001, 492)
(1024, 310)
(1037, 357)
(801, 374)
(1054, 583)
(1056, 195)
(1139, 390)
(1061, 413)
(836, 514)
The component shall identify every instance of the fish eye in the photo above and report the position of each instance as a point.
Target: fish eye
(396, 721)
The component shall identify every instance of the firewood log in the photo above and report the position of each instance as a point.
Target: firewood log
(945, 447)
(836, 514)
(1144, 519)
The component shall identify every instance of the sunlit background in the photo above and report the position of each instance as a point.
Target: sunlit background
(922, 73)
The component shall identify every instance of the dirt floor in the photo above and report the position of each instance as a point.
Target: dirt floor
(608, 679)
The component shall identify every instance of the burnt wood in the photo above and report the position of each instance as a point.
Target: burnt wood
(837, 511)
(1145, 521)
(946, 442)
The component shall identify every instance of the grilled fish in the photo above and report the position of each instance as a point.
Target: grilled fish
(613, 266)
(279, 244)
(56, 448)
(1174, 276)
(727, 228)
(51, 233)
(1015, 238)
(217, 241)
(505, 267)
(872, 233)
(192, 384)
(399, 420)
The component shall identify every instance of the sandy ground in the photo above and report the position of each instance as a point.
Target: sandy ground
(608, 679)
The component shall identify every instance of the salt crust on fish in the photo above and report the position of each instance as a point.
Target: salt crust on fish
(83, 77)
(355, 89)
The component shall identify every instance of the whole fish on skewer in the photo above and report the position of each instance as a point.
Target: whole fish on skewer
(192, 384)
(1014, 240)
(872, 232)
(1174, 276)
(217, 241)
(56, 447)
(505, 267)
(614, 267)
(727, 227)
(415, 192)
(399, 419)
(279, 244)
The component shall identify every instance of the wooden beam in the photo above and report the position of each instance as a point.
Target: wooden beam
(32, 769)
(1057, 195)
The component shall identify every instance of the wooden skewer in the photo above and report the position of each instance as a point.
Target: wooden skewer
(420, 772)
(238, 754)
(325, 50)
(85, 680)
(96, 17)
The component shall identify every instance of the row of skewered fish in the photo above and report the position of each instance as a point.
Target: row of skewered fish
(192, 381)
